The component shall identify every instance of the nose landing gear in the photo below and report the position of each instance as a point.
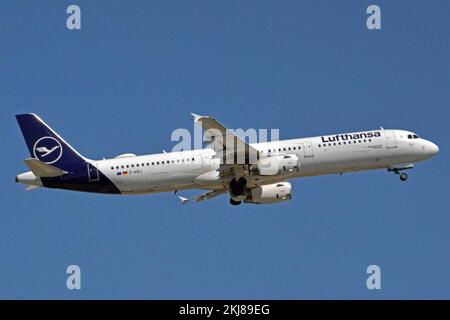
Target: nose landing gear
(403, 175)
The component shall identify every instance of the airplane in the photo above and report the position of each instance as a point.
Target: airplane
(255, 173)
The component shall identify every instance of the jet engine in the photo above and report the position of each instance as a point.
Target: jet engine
(270, 193)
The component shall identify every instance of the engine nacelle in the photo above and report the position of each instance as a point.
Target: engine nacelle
(276, 165)
(270, 193)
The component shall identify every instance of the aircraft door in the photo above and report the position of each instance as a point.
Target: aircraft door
(391, 142)
(308, 149)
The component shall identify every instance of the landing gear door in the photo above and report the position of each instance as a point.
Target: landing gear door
(391, 142)
(92, 171)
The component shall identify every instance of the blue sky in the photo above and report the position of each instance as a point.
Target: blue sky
(134, 73)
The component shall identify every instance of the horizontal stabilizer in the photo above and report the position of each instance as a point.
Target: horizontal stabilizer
(41, 169)
(183, 199)
(31, 188)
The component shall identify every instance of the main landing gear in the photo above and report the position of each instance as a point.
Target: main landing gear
(238, 191)
(235, 203)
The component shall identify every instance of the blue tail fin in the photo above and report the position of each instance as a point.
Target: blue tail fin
(46, 145)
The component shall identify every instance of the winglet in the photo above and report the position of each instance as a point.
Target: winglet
(197, 117)
(183, 200)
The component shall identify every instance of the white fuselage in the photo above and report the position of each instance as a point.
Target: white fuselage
(198, 169)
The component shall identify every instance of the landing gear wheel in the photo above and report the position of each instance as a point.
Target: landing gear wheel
(403, 176)
(238, 188)
(235, 203)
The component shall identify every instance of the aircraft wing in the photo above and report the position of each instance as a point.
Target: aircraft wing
(210, 194)
(204, 196)
(229, 147)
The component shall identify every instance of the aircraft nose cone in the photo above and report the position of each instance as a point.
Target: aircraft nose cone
(429, 148)
(434, 149)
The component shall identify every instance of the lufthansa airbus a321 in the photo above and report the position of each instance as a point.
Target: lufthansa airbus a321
(251, 173)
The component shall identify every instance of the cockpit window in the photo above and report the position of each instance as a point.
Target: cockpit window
(410, 136)
(415, 136)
